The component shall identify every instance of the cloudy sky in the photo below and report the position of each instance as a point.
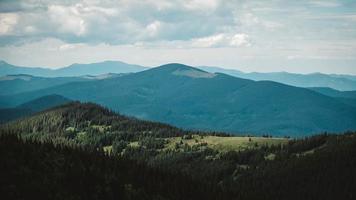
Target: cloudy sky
(250, 35)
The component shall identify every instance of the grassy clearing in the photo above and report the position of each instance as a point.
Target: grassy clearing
(221, 144)
(101, 128)
(226, 143)
(134, 144)
(108, 149)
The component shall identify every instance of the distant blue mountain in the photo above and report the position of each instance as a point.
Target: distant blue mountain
(98, 69)
(347, 97)
(14, 84)
(334, 81)
(44, 102)
(8, 69)
(338, 82)
(33, 106)
(195, 99)
(72, 70)
(335, 93)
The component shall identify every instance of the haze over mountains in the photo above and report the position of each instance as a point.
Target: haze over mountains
(195, 99)
(31, 107)
(14, 84)
(338, 82)
(72, 70)
(334, 81)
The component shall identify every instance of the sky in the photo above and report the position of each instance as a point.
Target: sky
(249, 35)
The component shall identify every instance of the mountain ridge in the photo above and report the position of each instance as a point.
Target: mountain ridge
(338, 82)
(72, 70)
(31, 107)
(221, 103)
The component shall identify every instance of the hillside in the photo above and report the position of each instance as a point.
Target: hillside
(8, 114)
(134, 96)
(72, 70)
(33, 106)
(191, 98)
(67, 146)
(14, 84)
(51, 170)
(335, 93)
(44, 103)
(346, 97)
(77, 119)
(338, 82)
(67, 158)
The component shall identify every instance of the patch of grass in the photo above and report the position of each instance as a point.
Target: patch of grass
(101, 128)
(224, 144)
(108, 149)
(70, 128)
(270, 156)
(134, 144)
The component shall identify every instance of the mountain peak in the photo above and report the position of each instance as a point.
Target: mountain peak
(171, 67)
(184, 70)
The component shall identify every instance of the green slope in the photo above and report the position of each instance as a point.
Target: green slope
(28, 108)
(50, 167)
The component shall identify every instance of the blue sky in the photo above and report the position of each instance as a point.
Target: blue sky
(296, 36)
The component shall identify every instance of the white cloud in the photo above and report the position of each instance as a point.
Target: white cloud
(249, 20)
(65, 47)
(153, 28)
(268, 28)
(328, 4)
(222, 40)
(30, 29)
(7, 23)
(67, 19)
(349, 17)
(201, 4)
(239, 40)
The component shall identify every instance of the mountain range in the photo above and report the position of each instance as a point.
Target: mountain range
(334, 81)
(347, 97)
(13, 84)
(337, 82)
(31, 107)
(71, 70)
(195, 99)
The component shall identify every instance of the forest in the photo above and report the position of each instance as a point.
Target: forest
(84, 151)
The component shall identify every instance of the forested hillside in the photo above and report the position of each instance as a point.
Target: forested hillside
(87, 123)
(84, 151)
(48, 170)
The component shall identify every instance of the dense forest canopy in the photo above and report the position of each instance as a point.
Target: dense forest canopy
(84, 151)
